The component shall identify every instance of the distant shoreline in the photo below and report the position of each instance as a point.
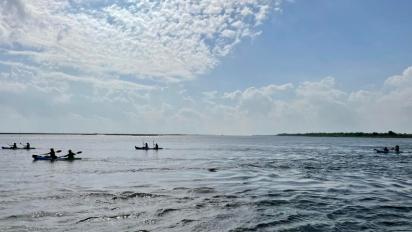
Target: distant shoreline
(389, 134)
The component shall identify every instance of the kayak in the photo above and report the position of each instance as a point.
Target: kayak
(39, 157)
(149, 148)
(383, 151)
(18, 148)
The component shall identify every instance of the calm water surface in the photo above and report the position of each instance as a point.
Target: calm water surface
(207, 183)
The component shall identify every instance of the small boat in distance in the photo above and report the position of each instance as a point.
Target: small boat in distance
(146, 147)
(386, 152)
(14, 147)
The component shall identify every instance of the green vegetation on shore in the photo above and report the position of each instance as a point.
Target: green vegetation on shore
(389, 134)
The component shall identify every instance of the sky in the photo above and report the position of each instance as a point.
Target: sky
(236, 67)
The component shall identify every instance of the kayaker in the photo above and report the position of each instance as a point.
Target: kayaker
(156, 146)
(70, 155)
(27, 146)
(385, 149)
(146, 146)
(52, 154)
(397, 148)
(14, 146)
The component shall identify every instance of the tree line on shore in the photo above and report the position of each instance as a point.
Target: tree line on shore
(389, 134)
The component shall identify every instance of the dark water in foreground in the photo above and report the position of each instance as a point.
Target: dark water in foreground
(207, 183)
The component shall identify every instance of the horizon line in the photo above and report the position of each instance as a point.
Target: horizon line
(184, 134)
(121, 134)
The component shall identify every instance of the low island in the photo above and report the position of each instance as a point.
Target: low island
(389, 134)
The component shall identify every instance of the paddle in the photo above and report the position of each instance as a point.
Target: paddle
(11, 146)
(24, 146)
(79, 152)
(58, 151)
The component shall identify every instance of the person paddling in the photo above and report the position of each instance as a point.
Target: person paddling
(156, 146)
(385, 149)
(146, 146)
(397, 149)
(70, 155)
(52, 154)
(27, 146)
(14, 146)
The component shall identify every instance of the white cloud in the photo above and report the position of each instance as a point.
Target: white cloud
(8, 86)
(167, 40)
(265, 91)
(320, 90)
(403, 80)
(316, 106)
(232, 95)
(210, 94)
(85, 102)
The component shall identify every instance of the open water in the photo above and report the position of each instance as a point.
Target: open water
(207, 183)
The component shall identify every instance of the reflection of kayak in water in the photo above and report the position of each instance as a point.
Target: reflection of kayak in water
(390, 151)
(147, 148)
(39, 157)
(18, 148)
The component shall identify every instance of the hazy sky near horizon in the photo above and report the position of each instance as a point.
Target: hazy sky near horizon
(209, 67)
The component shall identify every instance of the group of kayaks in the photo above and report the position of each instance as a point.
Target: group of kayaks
(51, 156)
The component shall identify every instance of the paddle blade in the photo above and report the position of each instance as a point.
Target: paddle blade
(79, 152)
(58, 151)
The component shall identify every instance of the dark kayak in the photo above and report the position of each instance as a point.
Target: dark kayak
(39, 157)
(390, 151)
(18, 148)
(149, 148)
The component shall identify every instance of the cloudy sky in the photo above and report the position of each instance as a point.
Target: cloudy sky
(208, 67)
